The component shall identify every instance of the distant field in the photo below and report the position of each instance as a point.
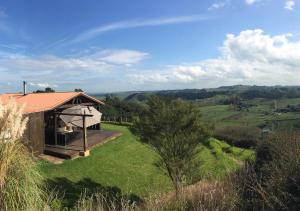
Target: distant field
(126, 166)
(257, 115)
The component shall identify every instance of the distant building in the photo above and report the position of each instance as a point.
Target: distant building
(265, 131)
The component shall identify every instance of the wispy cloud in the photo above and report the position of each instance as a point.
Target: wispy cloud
(42, 85)
(94, 32)
(14, 47)
(51, 70)
(219, 5)
(250, 2)
(3, 13)
(125, 57)
(4, 27)
(94, 61)
(289, 4)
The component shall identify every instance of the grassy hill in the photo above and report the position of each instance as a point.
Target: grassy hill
(125, 166)
(257, 106)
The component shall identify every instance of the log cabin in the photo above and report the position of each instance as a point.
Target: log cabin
(44, 133)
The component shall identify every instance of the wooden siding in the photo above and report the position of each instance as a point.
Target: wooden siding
(35, 132)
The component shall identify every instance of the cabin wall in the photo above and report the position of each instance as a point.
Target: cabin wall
(49, 127)
(35, 132)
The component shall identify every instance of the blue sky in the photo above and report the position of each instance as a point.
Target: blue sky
(108, 46)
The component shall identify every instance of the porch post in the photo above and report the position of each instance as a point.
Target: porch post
(55, 129)
(99, 108)
(84, 134)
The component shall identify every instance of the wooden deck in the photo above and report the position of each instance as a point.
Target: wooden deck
(71, 150)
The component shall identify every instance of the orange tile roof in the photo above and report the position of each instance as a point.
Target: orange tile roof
(37, 102)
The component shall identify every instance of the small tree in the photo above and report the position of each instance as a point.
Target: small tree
(174, 129)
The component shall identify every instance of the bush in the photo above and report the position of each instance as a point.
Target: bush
(239, 136)
(272, 182)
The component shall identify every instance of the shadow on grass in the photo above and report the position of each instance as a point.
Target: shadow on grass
(71, 191)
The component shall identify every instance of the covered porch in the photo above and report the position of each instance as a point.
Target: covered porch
(72, 148)
(73, 129)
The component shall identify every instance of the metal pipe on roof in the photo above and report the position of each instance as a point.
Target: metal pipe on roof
(24, 88)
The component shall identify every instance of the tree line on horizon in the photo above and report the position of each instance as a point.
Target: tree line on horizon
(244, 92)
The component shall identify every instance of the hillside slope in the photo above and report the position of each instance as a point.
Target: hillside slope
(125, 166)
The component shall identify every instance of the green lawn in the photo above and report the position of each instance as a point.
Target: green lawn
(125, 166)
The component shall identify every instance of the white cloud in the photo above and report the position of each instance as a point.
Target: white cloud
(250, 2)
(52, 63)
(66, 70)
(219, 5)
(289, 4)
(251, 57)
(42, 85)
(92, 33)
(95, 61)
(126, 57)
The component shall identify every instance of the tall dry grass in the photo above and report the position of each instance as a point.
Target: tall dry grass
(20, 181)
(99, 202)
(203, 196)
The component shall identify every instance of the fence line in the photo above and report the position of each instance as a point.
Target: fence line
(116, 119)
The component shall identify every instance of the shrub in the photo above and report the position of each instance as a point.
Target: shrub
(272, 182)
(239, 136)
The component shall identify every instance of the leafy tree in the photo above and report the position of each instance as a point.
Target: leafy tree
(47, 90)
(115, 107)
(174, 129)
(78, 90)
